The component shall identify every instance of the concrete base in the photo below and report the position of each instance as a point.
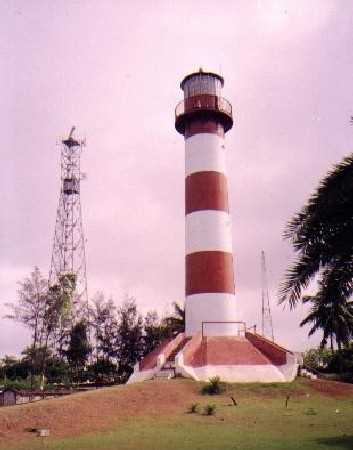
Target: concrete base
(235, 359)
(236, 374)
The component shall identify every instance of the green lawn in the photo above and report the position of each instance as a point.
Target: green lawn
(261, 421)
(183, 436)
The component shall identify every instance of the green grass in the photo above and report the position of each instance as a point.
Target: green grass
(259, 422)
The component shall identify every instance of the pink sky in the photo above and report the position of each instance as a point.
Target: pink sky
(113, 69)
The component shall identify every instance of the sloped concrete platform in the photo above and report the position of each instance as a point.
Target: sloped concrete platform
(248, 358)
(244, 358)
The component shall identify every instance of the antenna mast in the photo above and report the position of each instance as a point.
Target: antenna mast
(266, 317)
(68, 262)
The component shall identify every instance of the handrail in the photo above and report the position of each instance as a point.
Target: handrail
(203, 102)
(254, 327)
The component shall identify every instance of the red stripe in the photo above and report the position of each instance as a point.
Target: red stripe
(206, 125)
(209, 272)
(206, 190)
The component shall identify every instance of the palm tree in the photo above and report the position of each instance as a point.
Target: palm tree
(334, 318)
(322, 236)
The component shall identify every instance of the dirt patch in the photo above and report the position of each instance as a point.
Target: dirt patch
(332, 388)
(95, 410)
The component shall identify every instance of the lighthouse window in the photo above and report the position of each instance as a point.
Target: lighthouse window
(202, 84)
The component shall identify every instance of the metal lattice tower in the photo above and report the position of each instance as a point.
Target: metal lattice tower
(266, 317)
(68, 260)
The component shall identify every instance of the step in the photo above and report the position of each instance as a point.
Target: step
(165, 373)
(169, 365)
(180, 346)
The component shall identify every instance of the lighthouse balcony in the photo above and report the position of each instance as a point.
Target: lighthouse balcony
(203, 105)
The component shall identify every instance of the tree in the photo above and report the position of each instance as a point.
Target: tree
(176, 321)
(31, 305)
(35, 357)
(155, 331)
(321, 234)
(30, 310)
(103, 320)
(67, 283)
(317, 358)
(334, 318)
(8, 367)
(129, 343)
(79, 347)
(62, 306)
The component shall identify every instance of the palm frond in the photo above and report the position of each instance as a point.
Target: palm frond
(321, 233)
(298, 278)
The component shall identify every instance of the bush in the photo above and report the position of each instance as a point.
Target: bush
(317, 358)
(194, 408)
(213, 387)
(342, 361)
(18, 383)
(57, 371)
(210, 410)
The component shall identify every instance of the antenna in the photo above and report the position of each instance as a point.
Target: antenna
(68, 260)
(266, 317)
(73, 128)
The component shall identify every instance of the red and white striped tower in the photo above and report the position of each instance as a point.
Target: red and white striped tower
(226, 348)
(203, 117)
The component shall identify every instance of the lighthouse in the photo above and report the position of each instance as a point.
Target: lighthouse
(215, 342)
(203, 117)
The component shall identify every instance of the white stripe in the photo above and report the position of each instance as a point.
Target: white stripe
(204, 152)
(208, 230)
(216, 307)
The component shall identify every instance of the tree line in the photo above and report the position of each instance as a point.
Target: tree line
(73, 343)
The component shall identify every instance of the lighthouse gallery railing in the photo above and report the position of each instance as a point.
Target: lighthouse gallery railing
(203, 102)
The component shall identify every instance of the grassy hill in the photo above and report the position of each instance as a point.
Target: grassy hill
(154, 416)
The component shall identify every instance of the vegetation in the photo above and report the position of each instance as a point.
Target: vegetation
(68, 345)
(321, 235)
(317, 359)
(213, 387)
(194, 408)
(335, 319)
(79, 348)
(210, 410)
(176, 321)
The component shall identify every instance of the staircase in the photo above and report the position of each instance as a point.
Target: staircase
(168, 369)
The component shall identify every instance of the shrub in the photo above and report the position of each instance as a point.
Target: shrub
(18, 383)
(210, 410)
(213, 387)
(317, 358)
(342, 361)
(194, 408)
